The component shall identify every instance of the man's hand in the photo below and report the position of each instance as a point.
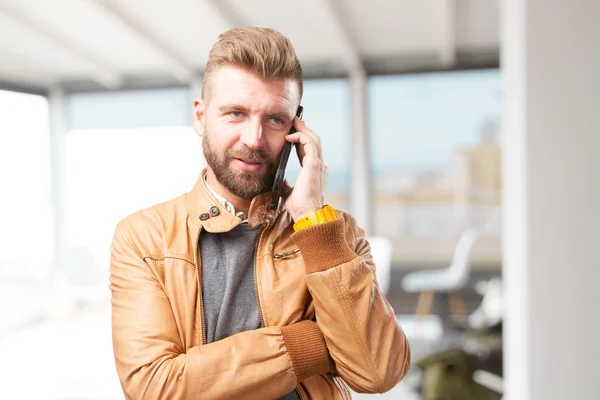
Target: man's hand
(307, 195)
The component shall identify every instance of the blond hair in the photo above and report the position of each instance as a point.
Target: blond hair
(263, 51)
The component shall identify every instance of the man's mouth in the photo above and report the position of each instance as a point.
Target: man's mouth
(249, 165)
(248, 160)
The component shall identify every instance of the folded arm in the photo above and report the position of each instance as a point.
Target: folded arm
(152, 363)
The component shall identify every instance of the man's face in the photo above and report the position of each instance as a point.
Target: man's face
(243, 123)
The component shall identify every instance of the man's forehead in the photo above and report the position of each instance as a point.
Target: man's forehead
(231, 84)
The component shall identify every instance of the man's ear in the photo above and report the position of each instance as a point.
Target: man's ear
(199, 116)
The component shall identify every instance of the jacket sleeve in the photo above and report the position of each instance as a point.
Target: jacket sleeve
(152, 362)
(370, 350)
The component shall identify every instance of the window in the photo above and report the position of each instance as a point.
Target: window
(436, 159)
(113, 173)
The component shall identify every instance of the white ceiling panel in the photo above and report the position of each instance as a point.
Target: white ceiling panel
(189, 27)
(139, 43)
(91, 27)
(393, 27)
(24, 43)
(306, 23)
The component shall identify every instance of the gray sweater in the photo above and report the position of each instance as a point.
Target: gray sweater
(230, 303)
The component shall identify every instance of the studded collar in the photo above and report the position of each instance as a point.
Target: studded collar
(205, 209)
(225, 203)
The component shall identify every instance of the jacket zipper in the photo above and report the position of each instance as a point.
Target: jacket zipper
(202, 323)
(262, 322)
(279, 256)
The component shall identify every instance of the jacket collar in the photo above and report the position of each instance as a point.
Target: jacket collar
(199, 203)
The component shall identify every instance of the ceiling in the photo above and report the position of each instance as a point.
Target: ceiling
(86, 45)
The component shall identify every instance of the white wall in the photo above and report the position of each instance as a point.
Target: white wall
(551, 61)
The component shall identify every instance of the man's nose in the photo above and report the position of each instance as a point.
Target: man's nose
(252, 135)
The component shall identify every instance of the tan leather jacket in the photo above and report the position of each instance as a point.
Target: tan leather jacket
(325, 323)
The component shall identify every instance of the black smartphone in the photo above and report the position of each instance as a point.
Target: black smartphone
(285, 155)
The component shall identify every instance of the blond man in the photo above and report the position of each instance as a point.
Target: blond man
(217, 296)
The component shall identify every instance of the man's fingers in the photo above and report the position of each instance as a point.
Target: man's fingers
(306, 138)
(305, 147)
(301, 127)
(299, 124)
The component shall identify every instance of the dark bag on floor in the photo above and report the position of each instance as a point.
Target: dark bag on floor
(449, 376)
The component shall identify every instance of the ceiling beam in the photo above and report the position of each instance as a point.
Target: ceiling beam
(228, 13)
(101, 73)
(6, 83)
(338, 15)
(177, 67)
(448, 32)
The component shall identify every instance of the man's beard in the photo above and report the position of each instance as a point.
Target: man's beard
(243, 184)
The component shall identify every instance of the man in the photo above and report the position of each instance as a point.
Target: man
(215, 295)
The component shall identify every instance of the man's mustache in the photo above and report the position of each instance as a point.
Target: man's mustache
(247, 154)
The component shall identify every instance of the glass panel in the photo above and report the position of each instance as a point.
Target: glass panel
(436, 162)
(130, 109)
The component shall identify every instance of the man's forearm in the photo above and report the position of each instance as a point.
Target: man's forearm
(370, 350)
(254, 364)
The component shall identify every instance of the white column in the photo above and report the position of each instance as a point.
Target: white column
(551, 164)
(360, 176)
(58, 130)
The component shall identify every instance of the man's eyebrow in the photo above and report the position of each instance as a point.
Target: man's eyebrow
(233, 107)
(280, 115)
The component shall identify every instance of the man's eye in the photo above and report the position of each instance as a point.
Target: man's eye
(236, 114)
(276, 121)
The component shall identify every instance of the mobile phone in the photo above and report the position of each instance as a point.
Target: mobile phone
(285, 155)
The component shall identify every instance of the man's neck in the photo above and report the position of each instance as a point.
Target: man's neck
(239, 203)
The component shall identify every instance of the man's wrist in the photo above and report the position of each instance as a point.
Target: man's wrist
(302, 212)
(324, 214)
(324, 246)
(307, 349)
